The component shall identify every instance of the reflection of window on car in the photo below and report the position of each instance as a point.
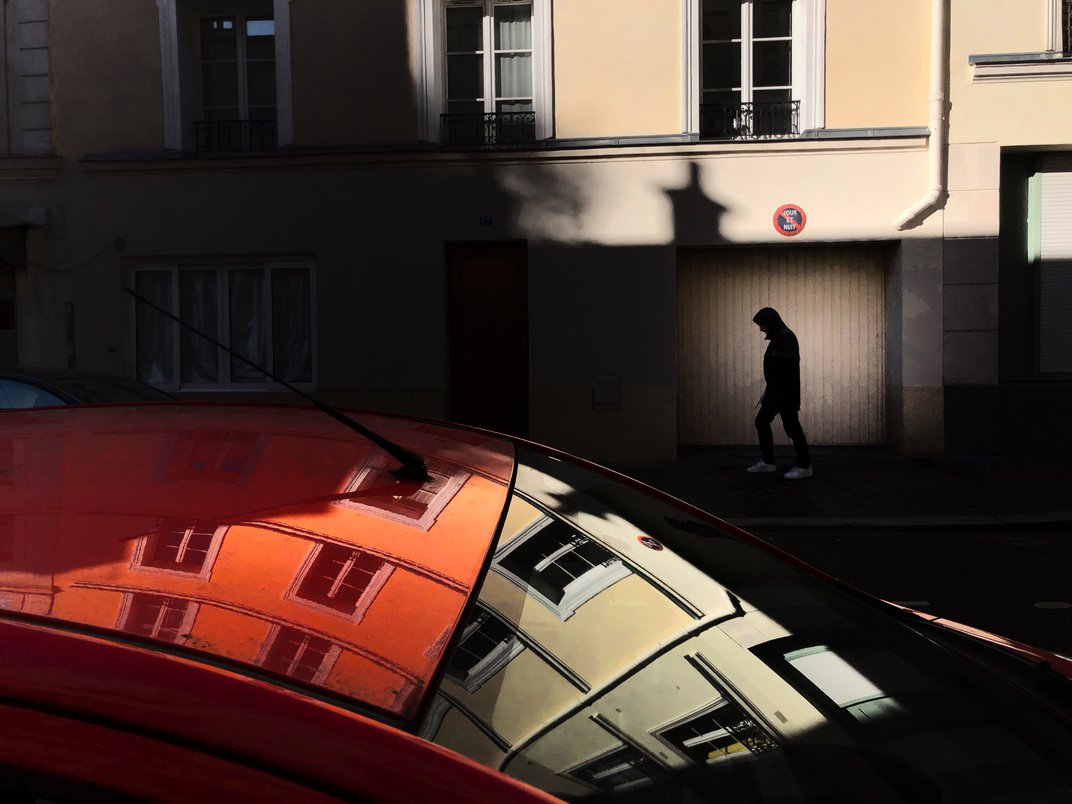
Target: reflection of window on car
(487, 645)
(341, 579)
(213, 456)
(298, 654)
(158, 616)
(718, 732)
(620, 768)
(559, 566)
(261, 310)
(179, 548)
(378, 492)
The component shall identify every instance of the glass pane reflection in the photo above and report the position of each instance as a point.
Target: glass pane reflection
(624, 648)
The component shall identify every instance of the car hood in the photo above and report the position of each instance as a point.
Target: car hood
(269, 538)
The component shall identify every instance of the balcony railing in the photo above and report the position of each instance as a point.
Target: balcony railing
(749, 121)
(489, 130)
(224, 136)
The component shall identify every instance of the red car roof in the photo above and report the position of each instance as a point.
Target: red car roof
(270, 538)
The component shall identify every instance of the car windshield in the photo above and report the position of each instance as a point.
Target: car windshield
(623, 647)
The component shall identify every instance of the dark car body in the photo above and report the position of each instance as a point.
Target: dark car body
(51, 387)
(201, 599)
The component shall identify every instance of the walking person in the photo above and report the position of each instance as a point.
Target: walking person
(781, 397)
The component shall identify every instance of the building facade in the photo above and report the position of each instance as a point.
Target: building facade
(550, 217)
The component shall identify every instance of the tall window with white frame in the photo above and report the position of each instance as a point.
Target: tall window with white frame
(488, 74)
(260, 311)
(1066, 27)
(746, 68)
(238, 83)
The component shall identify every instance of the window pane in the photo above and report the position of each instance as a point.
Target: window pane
(220, 83)
(513, 75)
(465, 107)
(153, 332)
(513, 27)
(218, 39)
(465, 30)
(246, 300)
(721, 19)
(197, 301)
(773, 63)
(514, 106)
(772, 18)
(261, 83)
(722, 66)
(260, 38)
(291, 325)
(465, 77)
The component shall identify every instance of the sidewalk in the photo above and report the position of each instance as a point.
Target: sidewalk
(867, 486)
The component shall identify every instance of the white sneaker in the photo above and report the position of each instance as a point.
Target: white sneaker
(796, 473)
(761, 467)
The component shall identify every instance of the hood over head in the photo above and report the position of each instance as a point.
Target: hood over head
(768, 317)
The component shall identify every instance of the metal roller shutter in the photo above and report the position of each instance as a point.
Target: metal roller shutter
(832, 297)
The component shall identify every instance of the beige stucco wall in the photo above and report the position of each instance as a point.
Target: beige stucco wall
(352, 73)
(618, 68)
(108, 82)
(877, 63)
(1014, 111)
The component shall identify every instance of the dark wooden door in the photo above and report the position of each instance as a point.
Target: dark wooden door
(487, 296)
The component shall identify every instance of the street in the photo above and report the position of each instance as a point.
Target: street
(1014, 582)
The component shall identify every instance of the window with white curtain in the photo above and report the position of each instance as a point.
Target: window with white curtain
(261, 311)
(758, 67)
(486, 76)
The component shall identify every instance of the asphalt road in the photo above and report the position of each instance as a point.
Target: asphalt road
(1013, 582)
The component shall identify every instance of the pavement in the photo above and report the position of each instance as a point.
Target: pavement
(867, 487)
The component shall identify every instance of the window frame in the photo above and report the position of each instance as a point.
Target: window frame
(449, 478)
(808, 64)
(242, 60)
(221, 267)
(364, 601)
(579, 591)
(179, 115)
(430, 45)
(141, 545)
(327, 663)
(189, 615)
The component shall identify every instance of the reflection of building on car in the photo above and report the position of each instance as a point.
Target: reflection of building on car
(267, 567)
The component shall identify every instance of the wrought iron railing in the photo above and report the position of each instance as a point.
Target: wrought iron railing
(489, 130)
(749, 121)
(220, 136)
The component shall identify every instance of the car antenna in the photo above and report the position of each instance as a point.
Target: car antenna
(413, 467)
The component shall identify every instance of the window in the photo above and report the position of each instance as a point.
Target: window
(487, 71)
(1066, 27)
(488, 644)
(759, 65)
(298, 654)
(622, 767)
(225, 69)
(238, 103)
(175, 547)
(561, 568)
(261, 311)
(378, 492)
(341, 579)
(716, 733)
(166, 618)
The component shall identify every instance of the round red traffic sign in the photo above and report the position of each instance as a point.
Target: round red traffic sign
(789, 220)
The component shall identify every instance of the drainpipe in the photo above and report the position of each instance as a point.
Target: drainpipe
(936, 146)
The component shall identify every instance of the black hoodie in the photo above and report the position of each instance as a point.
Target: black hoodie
(781, 362)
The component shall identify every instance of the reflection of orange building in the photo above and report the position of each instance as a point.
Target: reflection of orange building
(221, 530)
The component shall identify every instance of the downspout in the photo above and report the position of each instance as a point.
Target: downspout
(936, 146)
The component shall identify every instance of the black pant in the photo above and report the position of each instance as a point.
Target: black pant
(792, 429)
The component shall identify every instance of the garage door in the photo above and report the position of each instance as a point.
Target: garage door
(832, 297)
